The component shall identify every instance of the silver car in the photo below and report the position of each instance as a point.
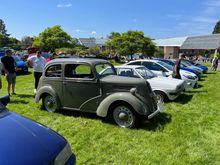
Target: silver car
(81, 85)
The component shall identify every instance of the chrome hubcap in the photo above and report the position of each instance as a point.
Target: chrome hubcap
(123, 116)
(50, 103)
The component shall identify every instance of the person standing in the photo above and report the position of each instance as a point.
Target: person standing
(214, 63)
(9, 64)
(176, 67)
(38, 63)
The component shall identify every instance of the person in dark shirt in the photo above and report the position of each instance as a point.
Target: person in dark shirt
(176, 67)
(9, 68)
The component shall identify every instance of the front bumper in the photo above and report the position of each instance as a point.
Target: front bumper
(160, 108)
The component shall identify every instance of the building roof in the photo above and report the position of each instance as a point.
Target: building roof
(91, 42)
(202, 42)
(170, 41)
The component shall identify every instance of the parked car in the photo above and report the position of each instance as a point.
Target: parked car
(164, 87)
(157, 67)
(203, 67)
(24, 141)
(21, 66)
(79, 84)
(186, 63)
(172, 63)
(46, 55)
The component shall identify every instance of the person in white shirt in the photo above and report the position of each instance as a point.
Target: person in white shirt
(38, 63)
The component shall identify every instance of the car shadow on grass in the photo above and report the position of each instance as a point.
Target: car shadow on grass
(197, 91)
(78, 114)
(199, 86)
(184, 98)
(22, 74)
(19, 101)
(210, 73)
(156, 123)
(25, 95)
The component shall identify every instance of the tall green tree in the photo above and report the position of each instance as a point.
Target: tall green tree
(26, 41)
(14, 43)
(131, 42)
(4, 36)
(53, 38)
(216, 28)
(94, 50)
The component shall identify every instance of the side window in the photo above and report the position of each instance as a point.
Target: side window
(54, 71)
(126, 72)
(135, 63)
(78, 71)
(148, 65)
(153, 66)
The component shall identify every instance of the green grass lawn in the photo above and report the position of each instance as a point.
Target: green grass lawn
(188, 132)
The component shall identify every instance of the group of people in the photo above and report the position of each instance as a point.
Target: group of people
(8, 65)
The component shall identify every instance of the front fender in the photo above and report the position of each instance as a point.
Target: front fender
(46, 90)
(137, 104)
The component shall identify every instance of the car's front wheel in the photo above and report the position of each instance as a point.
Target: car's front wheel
(124, 116)
(160, 95)
(49, 103)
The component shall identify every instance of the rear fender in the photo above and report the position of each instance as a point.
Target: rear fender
(47, 90)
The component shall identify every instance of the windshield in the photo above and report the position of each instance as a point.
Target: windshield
(168, 62)
(186, 63)
(145, 73)
(169, 67)
(105, 69)
(46, 55)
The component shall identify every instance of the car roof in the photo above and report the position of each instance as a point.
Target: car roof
(78, 60)
(130, 66)
(151, 60)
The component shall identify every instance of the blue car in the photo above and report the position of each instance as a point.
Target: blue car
(20, 65)
(25, 142)
(198, 74)
(203, 67)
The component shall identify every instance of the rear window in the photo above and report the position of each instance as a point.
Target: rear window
(54, 71)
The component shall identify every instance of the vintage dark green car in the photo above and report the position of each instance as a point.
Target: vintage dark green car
(80, 84)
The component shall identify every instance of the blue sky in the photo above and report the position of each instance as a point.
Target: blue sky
(97, 18)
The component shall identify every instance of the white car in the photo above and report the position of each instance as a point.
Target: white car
(164, 69)
(164, 88)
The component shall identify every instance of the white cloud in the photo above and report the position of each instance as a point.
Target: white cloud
(59, 5)
(68, 5)
(78, 30)
(93, 32)
(64, 5)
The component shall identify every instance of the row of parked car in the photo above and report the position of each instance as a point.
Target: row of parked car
(124, 93)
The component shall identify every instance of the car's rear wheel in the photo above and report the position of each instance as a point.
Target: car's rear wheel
(124, 116)
(160, 95)
(50, 103)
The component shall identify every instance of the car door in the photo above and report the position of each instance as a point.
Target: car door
(80, 87)
(155, 68)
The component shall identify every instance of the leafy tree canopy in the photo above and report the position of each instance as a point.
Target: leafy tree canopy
(130, 42)
(26, 41)
(94, 50)
(53, 38)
